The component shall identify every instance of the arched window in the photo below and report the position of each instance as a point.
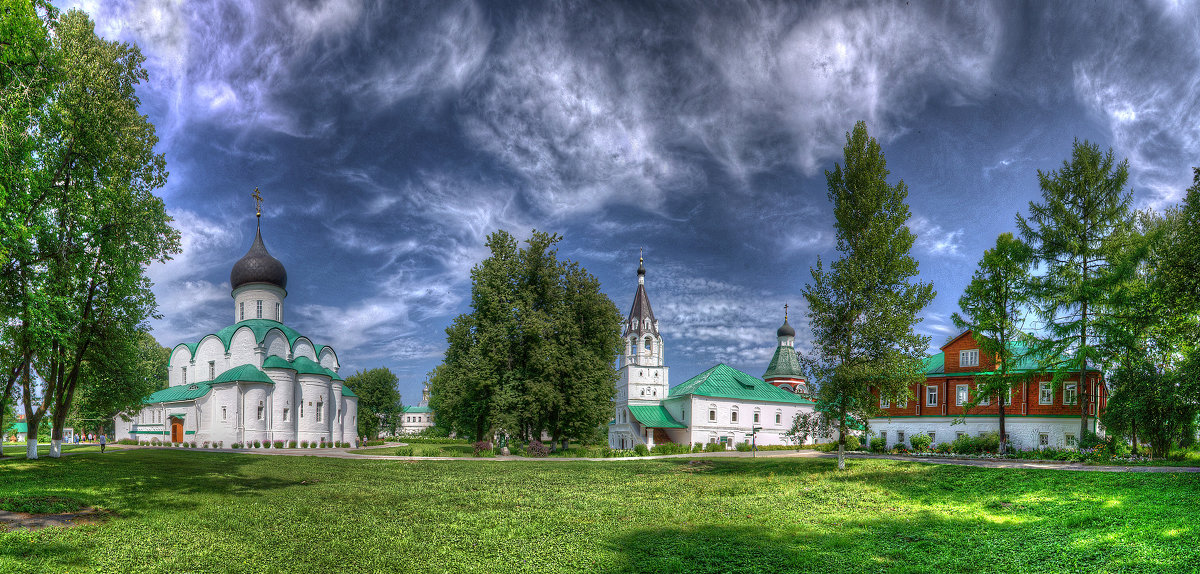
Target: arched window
(756, 413)
(778, 417)
(649, 349)
(733, 415)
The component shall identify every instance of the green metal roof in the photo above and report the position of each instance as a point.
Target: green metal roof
(260, 328)
(1025, 361)
(347, 392)
(723, 381)
(307, 366)
(277, 362)
(333, 375)
(785, 363)
(655, 416)
(178, 393)
(244, 374)
(415, 409)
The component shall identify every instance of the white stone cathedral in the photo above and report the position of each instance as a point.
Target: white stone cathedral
(255, 380)
(722, 404)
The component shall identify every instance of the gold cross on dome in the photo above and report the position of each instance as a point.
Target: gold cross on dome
(785, 311)
(257, 203)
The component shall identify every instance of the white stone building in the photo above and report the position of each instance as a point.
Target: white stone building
(721, 404)
(415, 419)
(255, 380)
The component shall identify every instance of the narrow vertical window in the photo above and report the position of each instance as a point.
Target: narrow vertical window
(183, 373)
(212, 370)
(260, 411)
(224, 414)
(285, 414)
(259, 315)
(319, 411)
(960, 397)
(241, 311)
(277, 318)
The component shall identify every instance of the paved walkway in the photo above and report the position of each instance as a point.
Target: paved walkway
(983, 463)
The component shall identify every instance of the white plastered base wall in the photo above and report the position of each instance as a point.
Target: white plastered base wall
(1023, 432)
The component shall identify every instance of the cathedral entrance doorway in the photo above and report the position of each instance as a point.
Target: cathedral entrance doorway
(176, 429)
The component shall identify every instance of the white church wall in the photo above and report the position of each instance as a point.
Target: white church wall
(210, 350)
(329, 359)
(314, 395)
(304, 348)
(276, 343)
(241, 348)
(254, 397)
(283, 397)
(180, 357)
(250, 295)
(350, 428)
(224, 413)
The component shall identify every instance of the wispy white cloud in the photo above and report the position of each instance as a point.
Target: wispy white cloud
(932, 238)
(1150, 109)
(715, 321)
(809, 73)
(581, 124)
(189, 304)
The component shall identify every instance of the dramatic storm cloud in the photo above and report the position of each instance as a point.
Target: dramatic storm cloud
(390, 138)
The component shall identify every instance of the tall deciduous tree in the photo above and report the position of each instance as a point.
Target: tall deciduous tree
(378, 400)
(863, 309)
(993, 308)
(122, 368)
(1078, 233)
(536, 353)
(1149, 333)
(87, 221)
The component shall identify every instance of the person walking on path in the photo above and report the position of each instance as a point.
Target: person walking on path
(103, 441)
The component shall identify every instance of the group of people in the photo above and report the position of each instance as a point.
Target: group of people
(91, 437)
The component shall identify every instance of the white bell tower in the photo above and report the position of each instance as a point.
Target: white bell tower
(643, 371)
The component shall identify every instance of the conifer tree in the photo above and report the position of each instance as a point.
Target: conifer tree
(862, 310)
(993, 308)
(1079, 233)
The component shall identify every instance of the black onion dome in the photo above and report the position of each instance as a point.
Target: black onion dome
(257, 266)
(641, 267)
(786, 330)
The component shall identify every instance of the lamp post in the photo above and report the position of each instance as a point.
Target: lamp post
(754, 441)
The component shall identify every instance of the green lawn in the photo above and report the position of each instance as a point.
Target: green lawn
(421, 449)
(18, 450)
(182, 510)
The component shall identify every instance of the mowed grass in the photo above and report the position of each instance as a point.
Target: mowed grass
(18, 450)
(196, 511)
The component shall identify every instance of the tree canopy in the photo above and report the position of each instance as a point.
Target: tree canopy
(862, 310)
(993, 308)
(81, 220)
(1078, 233)
(379, 405)
(536, 353)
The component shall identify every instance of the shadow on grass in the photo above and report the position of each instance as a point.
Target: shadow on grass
(160, 479)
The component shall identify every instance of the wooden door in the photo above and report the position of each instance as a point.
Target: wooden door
(176, 430)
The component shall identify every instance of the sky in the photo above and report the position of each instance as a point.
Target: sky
(388, 139)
